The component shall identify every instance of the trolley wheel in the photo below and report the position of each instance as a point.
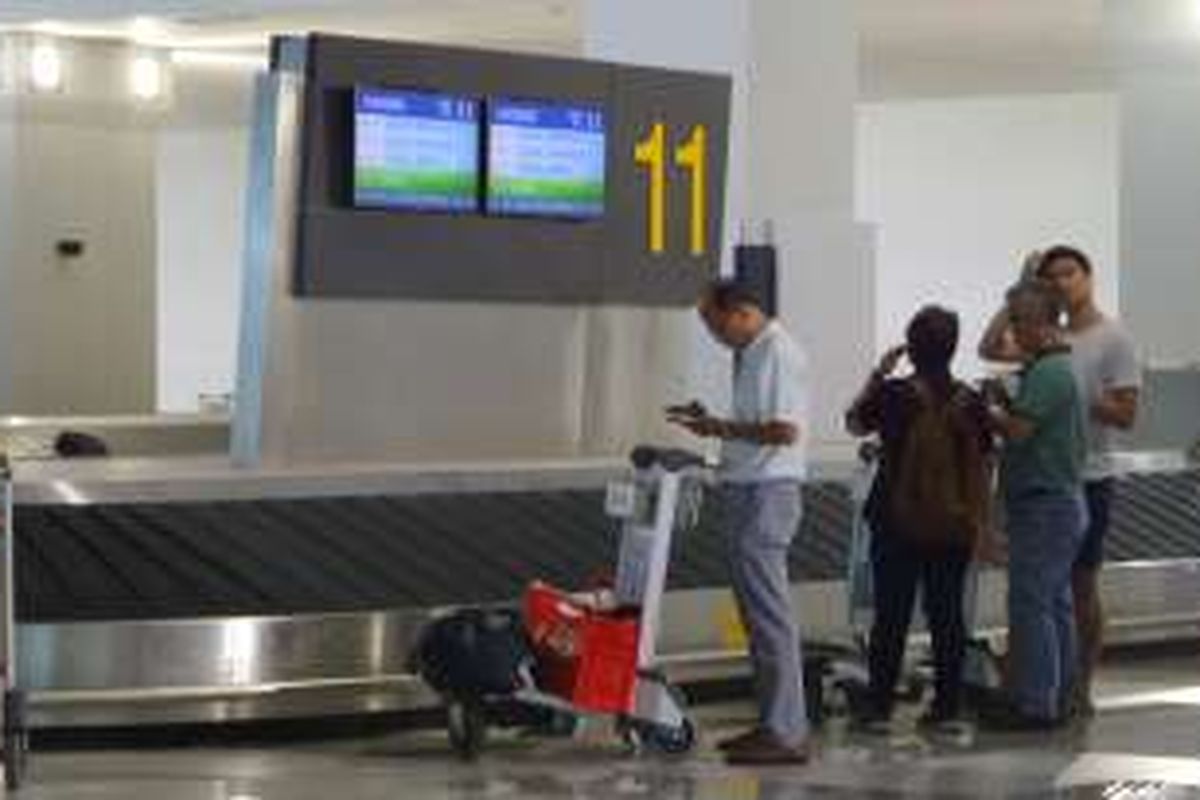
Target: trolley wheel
(466, 724)
(814, 691)
(671, 740)
(912, 690)
(856, 697)
(16, 739)
(640, 737)
(553, 723)
(630, 731)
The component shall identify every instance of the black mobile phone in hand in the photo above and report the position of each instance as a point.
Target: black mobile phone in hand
(693, 409)
(994, 392)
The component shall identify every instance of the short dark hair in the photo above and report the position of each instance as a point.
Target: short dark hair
(726, 294)
(1064, 251)
(932, 338)
(1044, 301)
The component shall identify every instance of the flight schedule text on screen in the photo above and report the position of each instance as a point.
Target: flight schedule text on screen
(416, 150)
(545, 159)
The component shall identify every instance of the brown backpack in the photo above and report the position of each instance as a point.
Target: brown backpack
(940, 484)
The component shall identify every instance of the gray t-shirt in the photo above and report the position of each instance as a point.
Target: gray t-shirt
(1102, 358)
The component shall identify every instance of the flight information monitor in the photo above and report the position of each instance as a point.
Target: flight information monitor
(545, 159)
(416, 150)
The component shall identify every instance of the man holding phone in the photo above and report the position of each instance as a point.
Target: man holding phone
(1104, 361)
(762, 466)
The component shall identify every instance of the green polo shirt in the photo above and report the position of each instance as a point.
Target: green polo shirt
(1052, 458)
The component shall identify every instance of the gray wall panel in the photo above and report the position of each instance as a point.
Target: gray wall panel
(351, 252)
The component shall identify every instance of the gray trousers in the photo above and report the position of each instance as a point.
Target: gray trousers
(760, 521)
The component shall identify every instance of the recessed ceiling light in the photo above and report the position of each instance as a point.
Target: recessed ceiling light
(211, 58)
(46, 67)
(49, 27)
(146, 29)
(146, 77)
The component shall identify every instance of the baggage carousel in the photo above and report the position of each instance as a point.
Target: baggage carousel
(186, 590)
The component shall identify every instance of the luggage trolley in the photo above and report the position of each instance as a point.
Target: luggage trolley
(12, 709)
(835, 671)
(590, 653)
(836, 676)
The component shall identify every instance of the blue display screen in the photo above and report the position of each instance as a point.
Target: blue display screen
(546, 159)
(416, 150)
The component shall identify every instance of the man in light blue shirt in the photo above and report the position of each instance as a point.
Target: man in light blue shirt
(762, 466)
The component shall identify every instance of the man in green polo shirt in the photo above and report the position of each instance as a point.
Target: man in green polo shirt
(1042, 482)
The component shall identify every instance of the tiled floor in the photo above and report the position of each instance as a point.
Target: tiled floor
(1145, 743)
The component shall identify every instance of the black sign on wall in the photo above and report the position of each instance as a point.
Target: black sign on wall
(656, 242)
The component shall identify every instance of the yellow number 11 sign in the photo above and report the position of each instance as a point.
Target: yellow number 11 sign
(691, 156)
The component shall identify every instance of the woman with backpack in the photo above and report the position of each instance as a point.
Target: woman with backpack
(927, 508)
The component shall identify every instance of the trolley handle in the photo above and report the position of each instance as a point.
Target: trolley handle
(870, 451)
(671, 459)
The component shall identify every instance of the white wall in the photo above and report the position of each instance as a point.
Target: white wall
(201, 171)
(960, 189)
(802, 81)
(8, 144)
(146, 319)
(201, 188)
(1160, 233)
(203, 159)
(79, 165)
(84, 327)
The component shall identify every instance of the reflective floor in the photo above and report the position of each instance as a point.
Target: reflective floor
(1144, 743)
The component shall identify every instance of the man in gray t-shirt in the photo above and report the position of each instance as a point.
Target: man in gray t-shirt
(1106, 370)
(762, 466)
(1105, 364)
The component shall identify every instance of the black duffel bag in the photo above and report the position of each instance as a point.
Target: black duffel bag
(473, 651)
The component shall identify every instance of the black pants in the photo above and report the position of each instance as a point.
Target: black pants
(898, 568)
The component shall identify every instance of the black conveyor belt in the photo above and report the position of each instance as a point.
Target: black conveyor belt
(179, 560)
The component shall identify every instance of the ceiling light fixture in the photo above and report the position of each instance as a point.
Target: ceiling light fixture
(211, 58)
(146, 30)
(146, 77)
(46, 67)
(49, 27)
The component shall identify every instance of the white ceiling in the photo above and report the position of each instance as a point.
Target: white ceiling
(951, 47)
(915, 23)
(907, 47)
(548, 24)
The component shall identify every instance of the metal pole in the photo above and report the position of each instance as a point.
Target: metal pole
(8, 663)
(7, 591)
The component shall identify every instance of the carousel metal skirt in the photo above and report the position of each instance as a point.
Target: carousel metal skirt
(203, 596)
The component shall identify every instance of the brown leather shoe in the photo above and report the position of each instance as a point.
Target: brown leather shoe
(741, 740)
(768, 751)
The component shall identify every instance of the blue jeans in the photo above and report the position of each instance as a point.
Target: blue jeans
(1045, 530)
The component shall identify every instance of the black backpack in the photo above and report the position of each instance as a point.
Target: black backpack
(76, 444)
(473, 651)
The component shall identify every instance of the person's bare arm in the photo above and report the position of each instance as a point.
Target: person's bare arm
(855, 421)
(1117, 408)
(997, 343)
(1012, 427)
(771, 433)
